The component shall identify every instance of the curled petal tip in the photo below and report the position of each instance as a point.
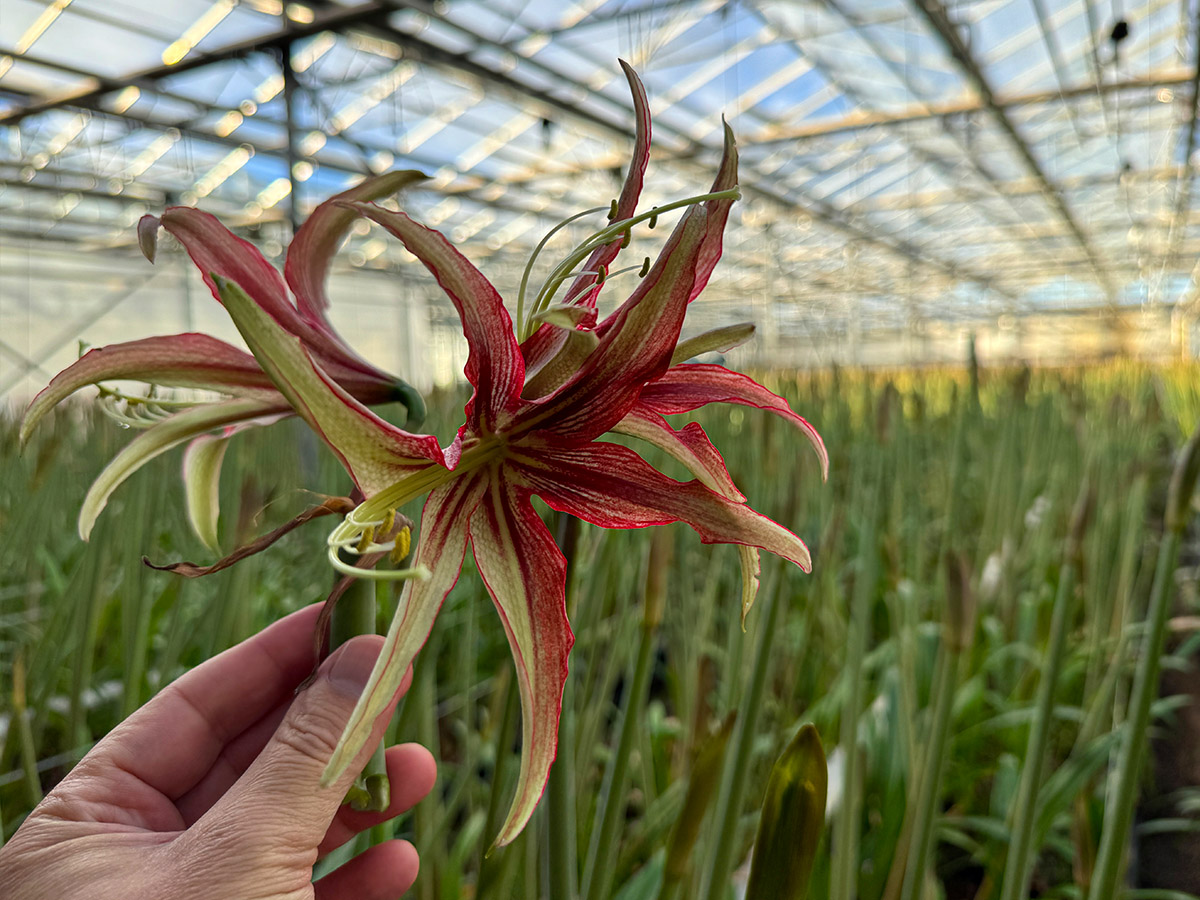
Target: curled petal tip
(414, 404)
(147, 234)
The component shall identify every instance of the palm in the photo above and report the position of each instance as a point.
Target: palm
(170, 781)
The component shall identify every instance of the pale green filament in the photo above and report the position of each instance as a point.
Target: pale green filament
(615, 230)
(523, 326)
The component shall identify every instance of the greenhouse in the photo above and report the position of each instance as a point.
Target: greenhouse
(397, 396)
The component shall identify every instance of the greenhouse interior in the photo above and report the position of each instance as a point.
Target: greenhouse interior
(397, 396)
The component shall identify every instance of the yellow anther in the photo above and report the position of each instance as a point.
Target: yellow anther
(389, 522)
(402, 545)
(626, 238)
(612, 210)
(603, 274)
(368, 535)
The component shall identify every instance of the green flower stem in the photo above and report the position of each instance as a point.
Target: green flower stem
(20, 720)
(844, 867)
(354, 614)
(1118, 816)
(930, 778)
(597, 879)
(1017, 866)
(733, 784)
(561, 849)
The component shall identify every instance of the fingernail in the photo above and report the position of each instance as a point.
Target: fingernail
(352, 665)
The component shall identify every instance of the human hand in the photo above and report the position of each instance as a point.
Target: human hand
(211, 790)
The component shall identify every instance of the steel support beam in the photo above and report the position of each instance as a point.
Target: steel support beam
(326, 21)
(374, 15)
(925, 112)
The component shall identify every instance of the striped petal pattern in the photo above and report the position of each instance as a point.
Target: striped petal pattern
(531, 427)
(686, 387)
(375, 452)
(495, 367)
(525, 574)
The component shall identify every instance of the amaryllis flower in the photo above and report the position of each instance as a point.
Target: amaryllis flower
(198, 361)
(532, 431)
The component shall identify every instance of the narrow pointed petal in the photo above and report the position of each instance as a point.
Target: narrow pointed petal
(441, 547)
(611, 486)
(158, 439)
(691, 446)
(718, 214)
(751, 563)
(684, 388)
(217, 251)
(202, 482)
(525, 573)
(178, 360)
(545, 343)
(316, 241)
(636, 348)
(719, 340)
(495, 366)
(331, 506)
(375, 452)
(585, 290)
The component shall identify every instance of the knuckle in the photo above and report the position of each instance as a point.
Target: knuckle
(312, 733)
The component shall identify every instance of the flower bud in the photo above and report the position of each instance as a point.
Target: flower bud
(792, 821)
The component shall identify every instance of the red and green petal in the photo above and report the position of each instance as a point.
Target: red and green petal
(319, 238)
(718, 214)
(686, 387)
(585, 290)
(636, 348)
(219, 253)
(495, 366)
(179, 360)
(440, 549)
(376, 453)
(691, 446)
(158, 439)
(525, 573)
(611, 486)
(544, 344)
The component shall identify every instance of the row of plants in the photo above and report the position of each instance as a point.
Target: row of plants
(971, 647)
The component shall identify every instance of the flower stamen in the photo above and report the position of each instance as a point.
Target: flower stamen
(602, 237)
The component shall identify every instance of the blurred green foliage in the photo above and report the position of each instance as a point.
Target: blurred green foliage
(924, 470)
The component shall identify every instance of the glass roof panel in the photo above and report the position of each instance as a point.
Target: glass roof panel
(968, 158)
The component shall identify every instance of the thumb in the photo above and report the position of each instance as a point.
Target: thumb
(280, 793)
